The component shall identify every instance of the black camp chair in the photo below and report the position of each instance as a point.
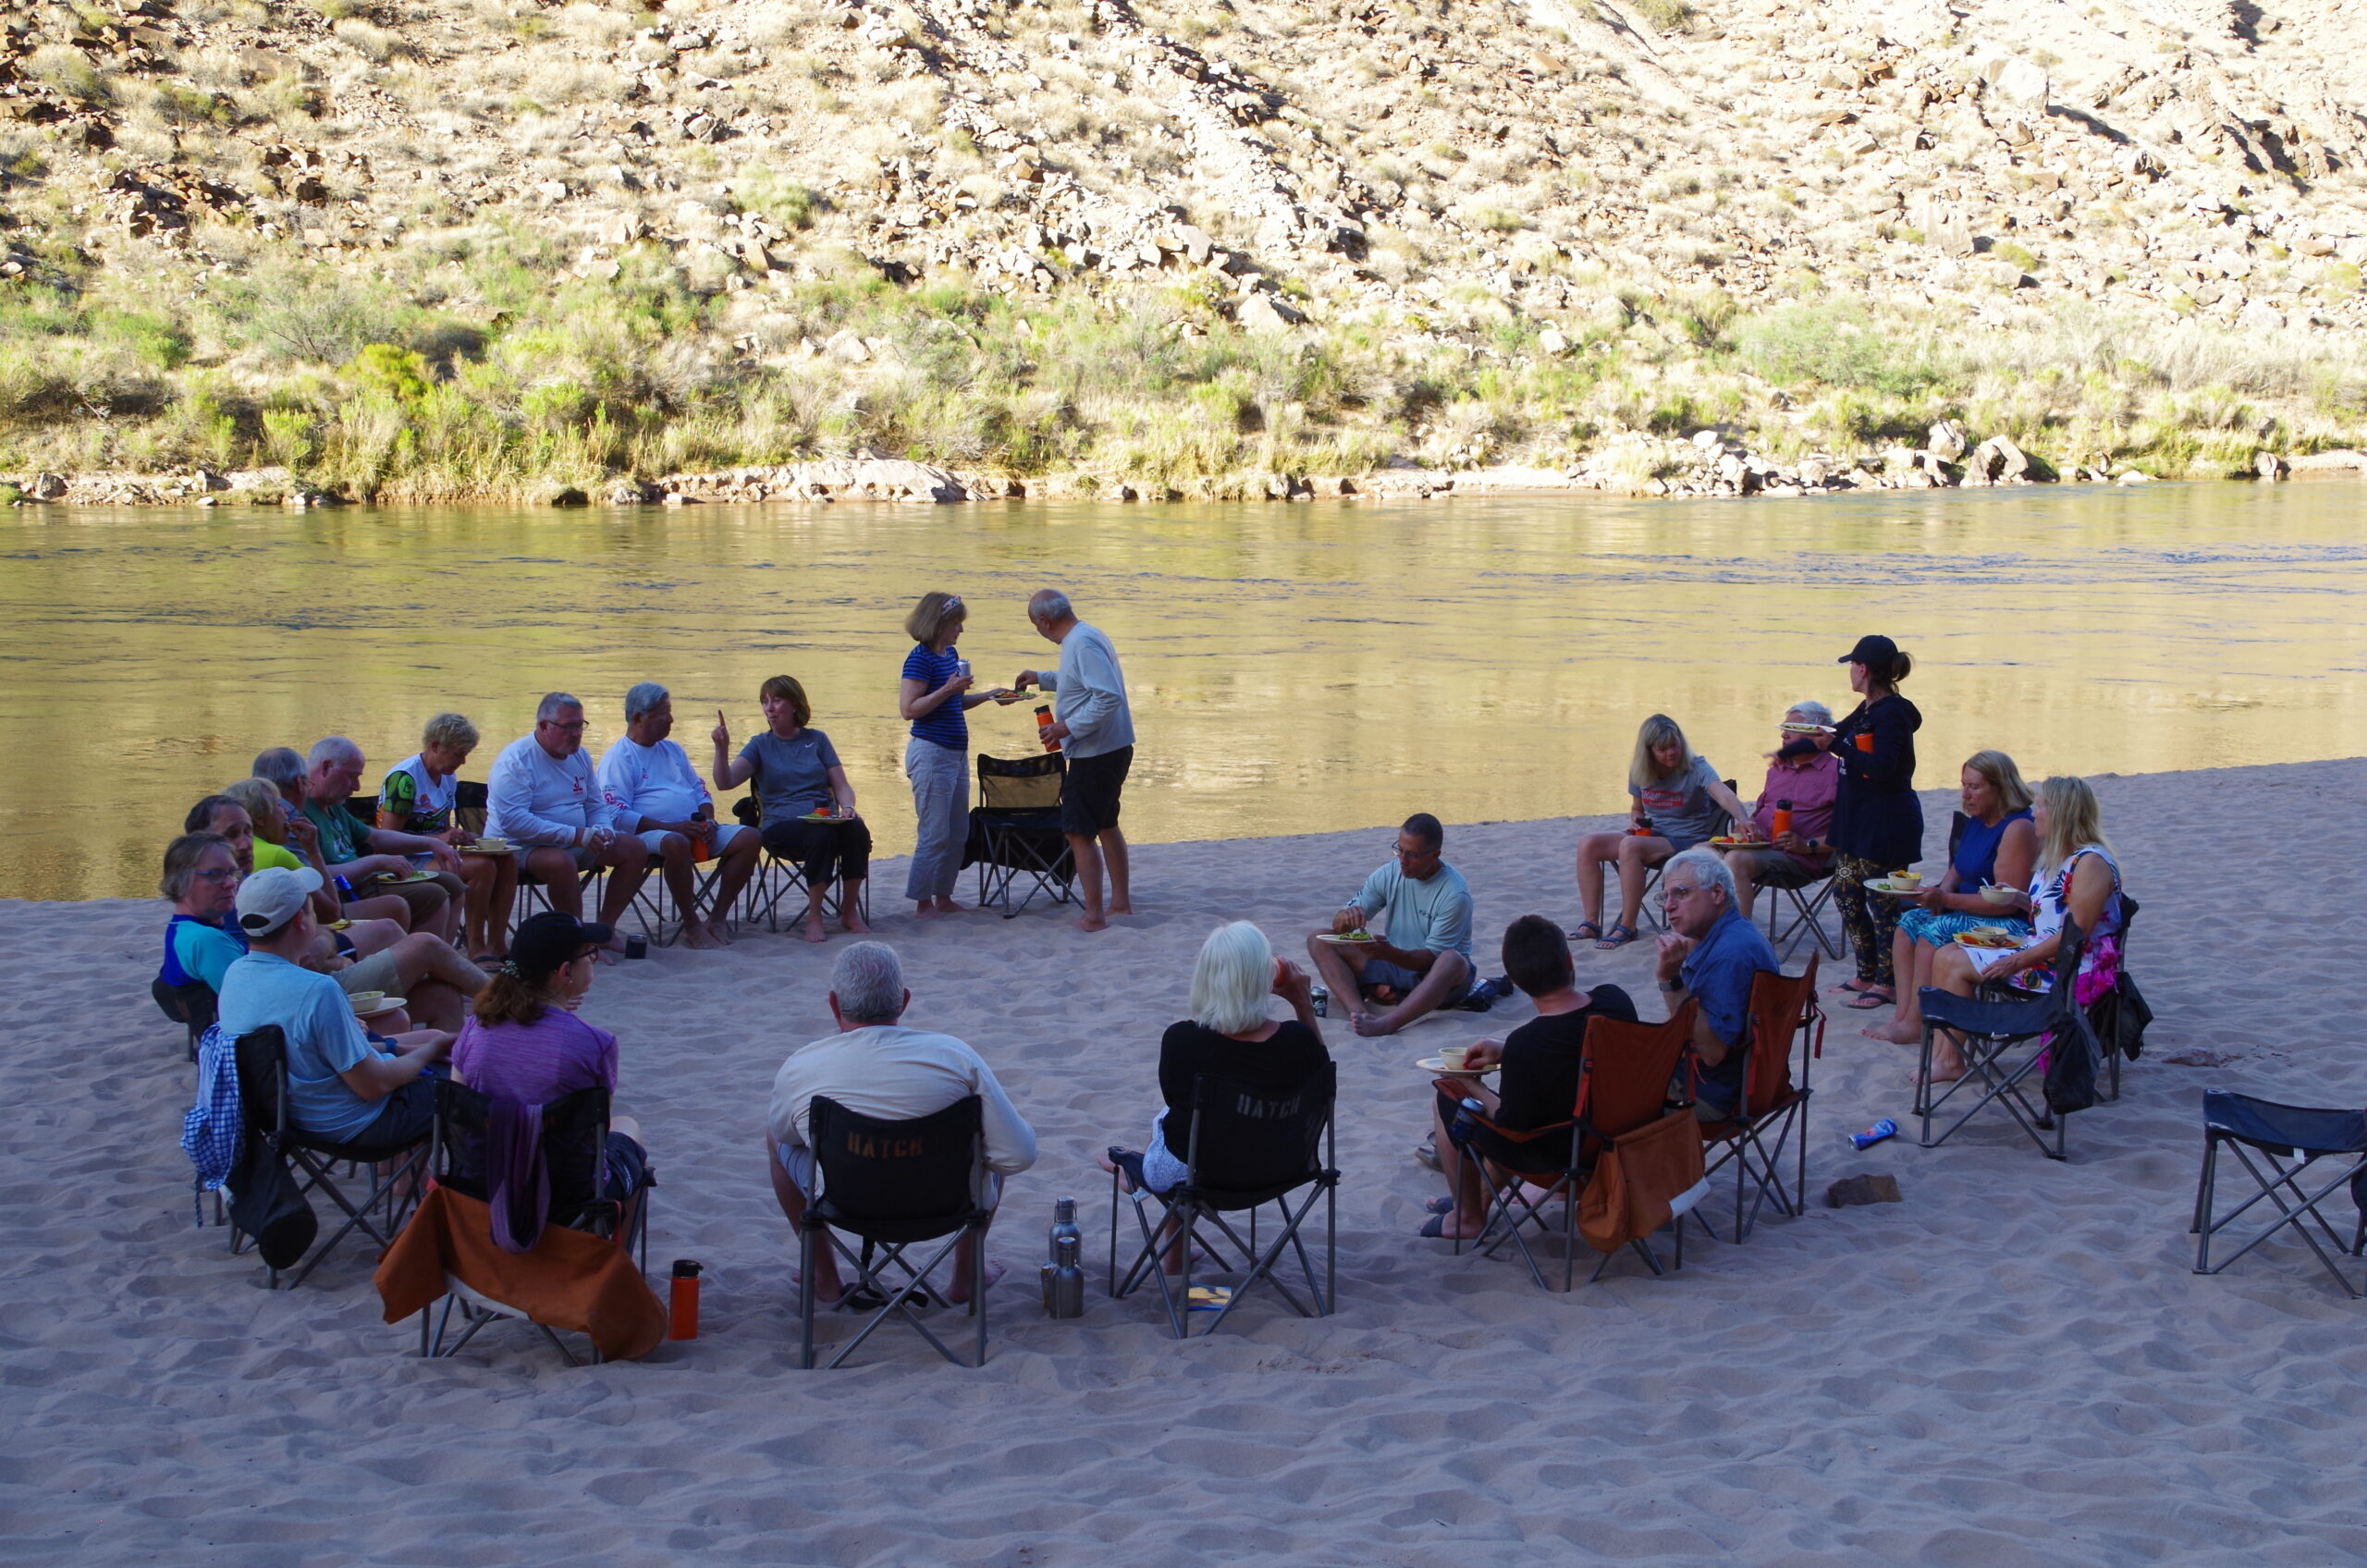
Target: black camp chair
(2120, 1016)
(1991, 1030)
(895, 1184)
(1015, 831)
(778, 880)
(2290, 1140)
(1249, 1149)
(262, 1057)
(191, 1006)
(575, 1134)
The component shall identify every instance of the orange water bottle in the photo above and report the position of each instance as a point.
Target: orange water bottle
(1044, 727)
(1865, 738)
(682, 1302)
(1780, 823)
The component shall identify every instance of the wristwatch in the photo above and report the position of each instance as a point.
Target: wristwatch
(1672, 985)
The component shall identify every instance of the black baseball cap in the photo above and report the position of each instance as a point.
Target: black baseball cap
(546, 943)
(1871, 650)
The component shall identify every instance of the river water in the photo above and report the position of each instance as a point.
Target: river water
(1293, 667)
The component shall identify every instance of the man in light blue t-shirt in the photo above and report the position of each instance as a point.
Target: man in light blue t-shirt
(341, 1086)
(1420, 960)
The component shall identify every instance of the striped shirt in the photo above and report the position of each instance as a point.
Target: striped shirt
(945, 724)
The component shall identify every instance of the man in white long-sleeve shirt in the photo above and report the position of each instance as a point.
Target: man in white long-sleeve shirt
(545, 798)
(875, 1067)
(1095, 730)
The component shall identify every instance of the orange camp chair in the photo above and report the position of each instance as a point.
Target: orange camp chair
(1775, 1108)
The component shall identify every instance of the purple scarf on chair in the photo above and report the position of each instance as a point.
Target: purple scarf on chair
(517, 1181)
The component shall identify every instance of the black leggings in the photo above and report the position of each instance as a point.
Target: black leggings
(825, 851)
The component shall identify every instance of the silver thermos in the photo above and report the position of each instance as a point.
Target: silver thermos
(1065, 1274)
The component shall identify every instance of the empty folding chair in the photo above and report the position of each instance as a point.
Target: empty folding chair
(895, 1185)
(1624, 1072)
(1015, 831)
(1248, 1148)
(1774, 1115)
(262, 1057)
(2291, 1141)
(573, 1267)
(2050, 1030)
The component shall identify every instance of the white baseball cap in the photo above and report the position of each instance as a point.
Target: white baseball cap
(273, 896)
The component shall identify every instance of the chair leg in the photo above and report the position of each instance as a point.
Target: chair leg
(806, 1297)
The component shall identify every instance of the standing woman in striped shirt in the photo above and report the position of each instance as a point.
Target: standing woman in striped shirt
(935, 694)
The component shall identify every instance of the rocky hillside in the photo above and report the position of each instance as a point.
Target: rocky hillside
(419, 249)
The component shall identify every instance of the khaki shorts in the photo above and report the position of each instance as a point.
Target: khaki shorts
(375, 973)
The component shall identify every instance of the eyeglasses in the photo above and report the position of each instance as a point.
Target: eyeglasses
(573, 728)
(228, 874)
(1671, 890)
(1402, 853)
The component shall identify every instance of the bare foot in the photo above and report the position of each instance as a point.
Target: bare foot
(694, 935)
(946, 906)
(719, 931)
(813, 931)
(1894, 1032)
(960, 1293)
(1123, 906)
(1090, 923)
(854, 923)
(927, 911)
(1371, 1026)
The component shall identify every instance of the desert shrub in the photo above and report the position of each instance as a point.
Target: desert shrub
(1837, 346)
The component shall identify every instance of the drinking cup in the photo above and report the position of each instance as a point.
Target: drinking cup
(1865, 741)
(365, 1000)
(1451, 1057)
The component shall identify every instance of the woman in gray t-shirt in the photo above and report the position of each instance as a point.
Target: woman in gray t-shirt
(808, 806)
(1679, 801)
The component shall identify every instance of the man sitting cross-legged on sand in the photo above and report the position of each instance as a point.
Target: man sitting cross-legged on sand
(544, 798)
(1420, 960)
(658, 796)
(1711, 954)
(876, 1067)
(342, 1085)
(1538, 1085)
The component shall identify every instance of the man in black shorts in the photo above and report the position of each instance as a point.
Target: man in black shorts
(1095, 730)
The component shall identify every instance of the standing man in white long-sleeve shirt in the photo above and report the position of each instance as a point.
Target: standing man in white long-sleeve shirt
(545, 798)
(1095, 730)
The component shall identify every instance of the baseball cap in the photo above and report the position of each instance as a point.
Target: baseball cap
(273, 896)
(547, 942)
(1871, 650)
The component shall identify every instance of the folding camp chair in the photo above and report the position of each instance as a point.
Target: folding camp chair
(1775, 1108)
(575, 1138)
(1624, 1072)
(2289, 1140)
(191, 1006)
(1806, 913)
(777, 879)
(895, 1184)
(1015, 831)
(1249, 1149)
(263, 1091)
(653, 902)
(534, 894)
(1989, 1031)
(2119, 1017)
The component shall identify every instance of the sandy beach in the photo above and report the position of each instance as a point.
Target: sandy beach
(2013, 1366)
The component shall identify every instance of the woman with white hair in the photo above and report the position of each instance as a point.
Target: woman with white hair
(1227, 1037)
(420, 795)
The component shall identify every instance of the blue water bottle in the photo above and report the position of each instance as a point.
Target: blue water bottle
(1885, 1128)
(344, 890)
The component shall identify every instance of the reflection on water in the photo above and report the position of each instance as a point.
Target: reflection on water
(1295, 667)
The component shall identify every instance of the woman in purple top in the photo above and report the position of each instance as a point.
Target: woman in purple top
(524, 1042)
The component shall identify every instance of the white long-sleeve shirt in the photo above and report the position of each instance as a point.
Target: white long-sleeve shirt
(1091, 693)
(897, 1074)
(536, 797)
(648, 784)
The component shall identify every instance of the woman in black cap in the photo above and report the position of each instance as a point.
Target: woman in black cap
(1877, 821)
(524, 1042)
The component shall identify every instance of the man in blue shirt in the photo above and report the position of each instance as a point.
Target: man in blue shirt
(341, 1085)
(1711, 955)
(1420, 959)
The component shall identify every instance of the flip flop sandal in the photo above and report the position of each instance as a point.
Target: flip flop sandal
(1585, 931)
(1869, 1000)
(1441, 1205)
(1618, 936)
(1853, 985)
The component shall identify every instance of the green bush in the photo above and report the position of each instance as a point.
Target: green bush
(1840, 346)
